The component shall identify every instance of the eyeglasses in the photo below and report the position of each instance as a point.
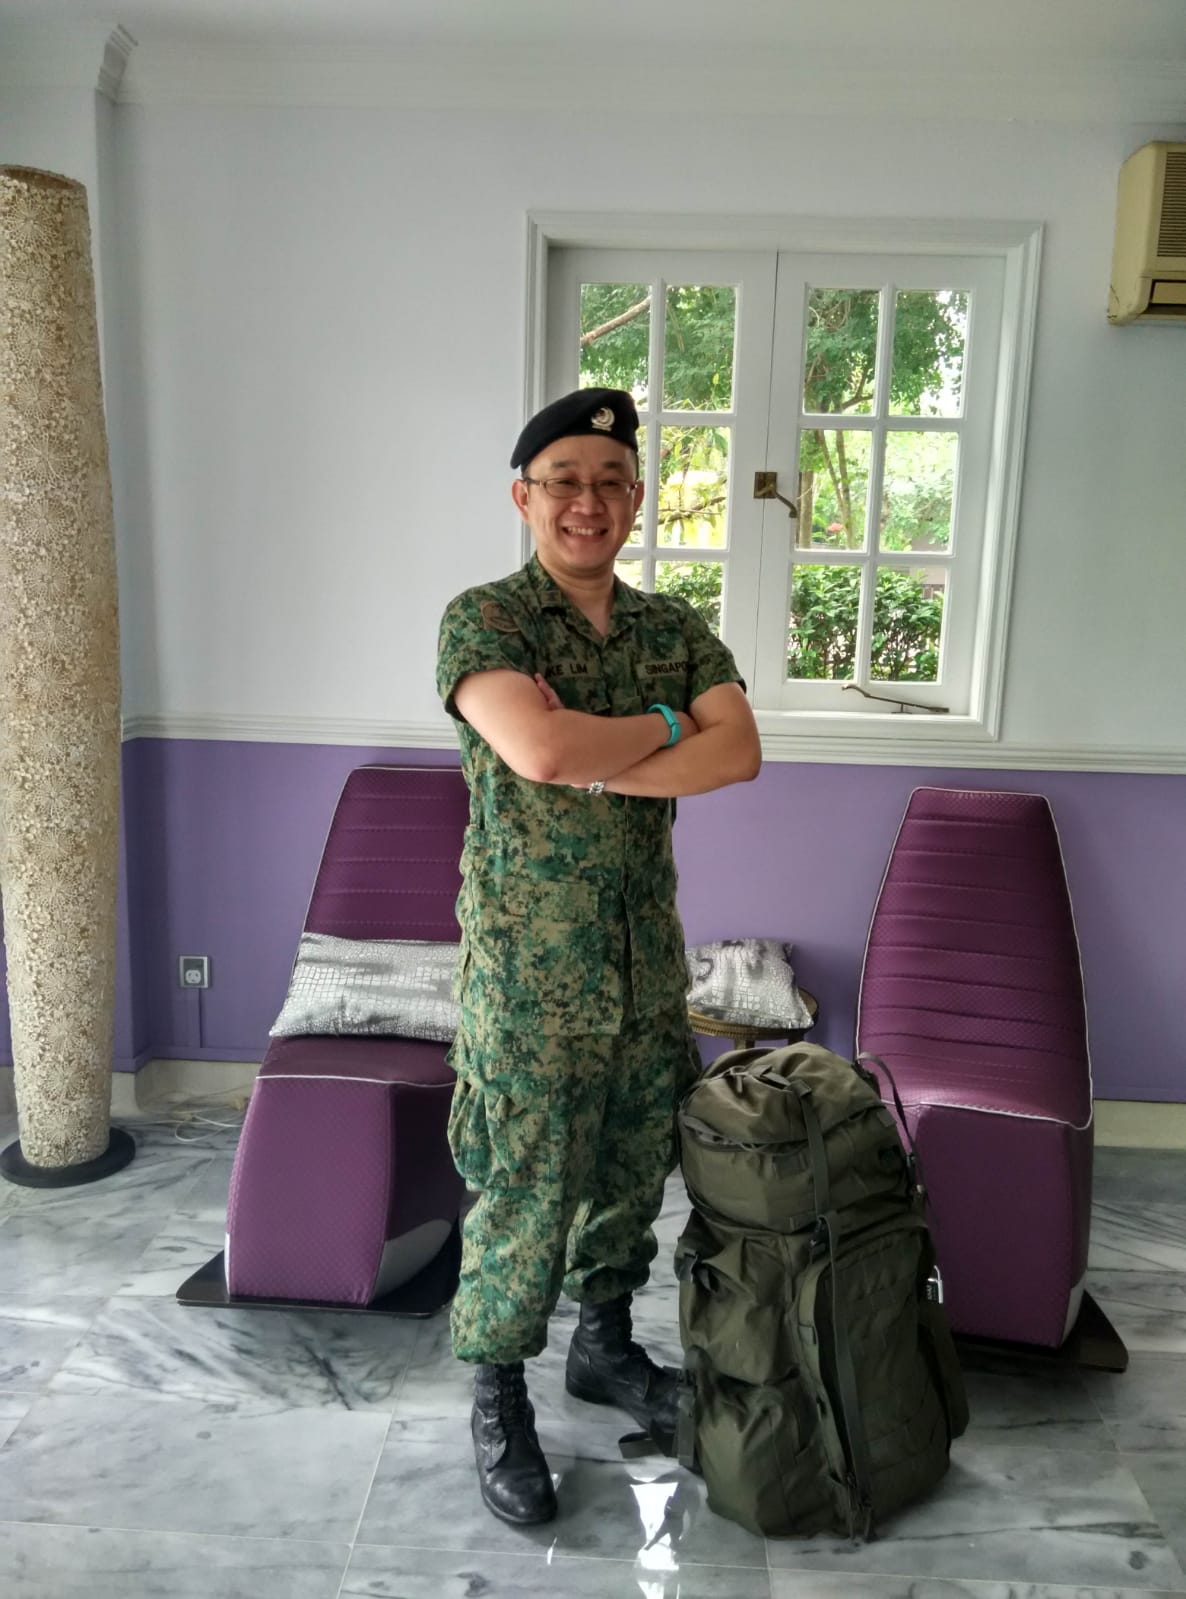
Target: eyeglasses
(567, 488)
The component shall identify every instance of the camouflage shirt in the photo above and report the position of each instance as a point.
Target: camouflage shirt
(567, 897)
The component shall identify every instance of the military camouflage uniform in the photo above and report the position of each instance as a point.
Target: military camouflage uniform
(574, 1042)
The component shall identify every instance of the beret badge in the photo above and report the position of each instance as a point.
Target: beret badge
(602, 420)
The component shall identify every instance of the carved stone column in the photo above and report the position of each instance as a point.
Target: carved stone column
(59, 689)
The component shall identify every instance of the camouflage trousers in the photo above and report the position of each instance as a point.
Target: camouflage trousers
(568, 1141)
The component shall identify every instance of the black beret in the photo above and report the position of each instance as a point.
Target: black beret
(609, 412)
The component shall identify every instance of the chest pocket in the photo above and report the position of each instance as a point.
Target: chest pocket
(579, 684)
(663, 680)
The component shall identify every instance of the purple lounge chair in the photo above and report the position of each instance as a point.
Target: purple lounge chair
(343, 1186)
(972, 993)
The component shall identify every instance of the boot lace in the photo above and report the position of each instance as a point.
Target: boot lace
(617, 1328)
(510, 1393)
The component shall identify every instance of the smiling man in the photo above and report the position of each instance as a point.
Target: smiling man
(585, 708)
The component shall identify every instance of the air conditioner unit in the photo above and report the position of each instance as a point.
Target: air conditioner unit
(1149, 257)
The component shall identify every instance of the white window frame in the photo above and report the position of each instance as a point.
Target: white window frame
(797, 734)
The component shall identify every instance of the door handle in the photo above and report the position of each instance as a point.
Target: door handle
(766, 488)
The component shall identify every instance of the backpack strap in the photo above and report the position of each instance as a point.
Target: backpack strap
(817, 1154)
(828, 1221)
(912, 1159)
(685, 1430)
(850, 1402)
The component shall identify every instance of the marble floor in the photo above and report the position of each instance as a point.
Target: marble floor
(147, 1450)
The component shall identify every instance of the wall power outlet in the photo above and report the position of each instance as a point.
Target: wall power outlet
(193, 971)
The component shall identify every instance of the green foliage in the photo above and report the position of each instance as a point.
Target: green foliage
(698, 582)
(693, 477)
(907, 620)
(698, 342)
(927, 360)
(907, 623)
(917, 490)
(824, 606)
(842, 344)
(918, 493)
(615, 358)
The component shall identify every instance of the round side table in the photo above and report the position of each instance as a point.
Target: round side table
(746, 1037)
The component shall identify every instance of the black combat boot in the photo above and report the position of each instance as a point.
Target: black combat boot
(512, 1472)
(606, 1367)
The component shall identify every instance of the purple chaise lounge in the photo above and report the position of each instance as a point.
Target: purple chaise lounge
(972, 993)
(343, 1187)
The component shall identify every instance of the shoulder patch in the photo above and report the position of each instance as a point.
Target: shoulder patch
(496, 617)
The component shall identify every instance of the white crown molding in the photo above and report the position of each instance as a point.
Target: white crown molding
(75, 56)
(724, 230)
(775, 83)
(117, 52)
(935, 749)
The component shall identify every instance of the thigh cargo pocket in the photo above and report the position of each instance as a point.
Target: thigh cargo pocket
(542, 954)
(499, 1140)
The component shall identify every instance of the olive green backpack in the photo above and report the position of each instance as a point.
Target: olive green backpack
(821, 1387)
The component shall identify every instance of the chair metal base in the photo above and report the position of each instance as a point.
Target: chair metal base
(423, 1295)
(1092, 1343)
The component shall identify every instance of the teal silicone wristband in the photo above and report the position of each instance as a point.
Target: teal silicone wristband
(673, 727)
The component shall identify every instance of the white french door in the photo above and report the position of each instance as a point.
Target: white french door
(817, 436)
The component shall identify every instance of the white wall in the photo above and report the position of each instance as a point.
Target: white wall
(70, 131)
(321, 313)
(53, 129)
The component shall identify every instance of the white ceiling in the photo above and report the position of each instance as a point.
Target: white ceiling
(865, 30)
(1116, 61)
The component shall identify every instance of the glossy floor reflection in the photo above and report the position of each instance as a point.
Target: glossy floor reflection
(148, 1450)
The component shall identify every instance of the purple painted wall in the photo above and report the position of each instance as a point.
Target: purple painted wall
(223, 840)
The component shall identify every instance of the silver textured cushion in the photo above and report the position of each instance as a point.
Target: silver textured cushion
(746, 980)
(371, 985)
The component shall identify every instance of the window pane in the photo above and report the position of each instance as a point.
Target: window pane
(693, 486)
(615, 337)
(636, 532)
(698, 348)
(907, 624)
(629, 571)
(822, 640)
(841, 351)
(833, 478)
(930, 332)
(917, 491)
(698, 582)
